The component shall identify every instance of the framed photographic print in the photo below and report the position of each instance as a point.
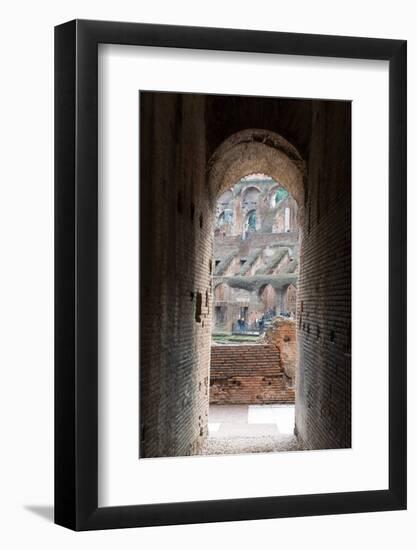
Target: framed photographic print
(230, 275)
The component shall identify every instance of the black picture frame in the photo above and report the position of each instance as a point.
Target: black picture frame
(76, 271)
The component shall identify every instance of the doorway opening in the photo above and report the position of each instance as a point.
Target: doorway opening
(245, 224)
(252, 368)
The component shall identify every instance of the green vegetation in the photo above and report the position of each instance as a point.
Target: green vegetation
(226, 338)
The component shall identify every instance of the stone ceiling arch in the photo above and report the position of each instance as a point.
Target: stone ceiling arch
(256, 151)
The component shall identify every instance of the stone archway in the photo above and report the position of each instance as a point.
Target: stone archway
(191, 156)
(268, 297)
(257, 151)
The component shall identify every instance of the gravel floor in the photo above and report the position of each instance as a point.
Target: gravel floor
(242, 445)
(241, 429)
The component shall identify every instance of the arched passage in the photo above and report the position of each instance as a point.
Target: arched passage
(249, 155)
(256, 151)
(197, 147)
(221, 292)
(268, 297)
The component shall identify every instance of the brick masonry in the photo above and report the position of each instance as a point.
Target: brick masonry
(323, 393)
(248, 374)
(176, 285)
(282, 336)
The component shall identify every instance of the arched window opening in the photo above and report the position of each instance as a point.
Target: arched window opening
(225, 218)
(221, 293)
(250, 197)
(290, 301)
(268, 299)
(250, 224)
(279, 195)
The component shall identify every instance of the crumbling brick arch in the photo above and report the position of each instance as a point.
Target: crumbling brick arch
(256, 151)
(267, 296)
(221, 292)
(250, 194)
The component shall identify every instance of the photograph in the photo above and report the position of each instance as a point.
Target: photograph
(230, 274)
(245, 274)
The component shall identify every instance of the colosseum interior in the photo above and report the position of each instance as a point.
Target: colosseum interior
(245, 278)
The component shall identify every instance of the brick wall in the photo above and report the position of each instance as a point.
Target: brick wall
(323, 394)
(282, 336)
(176, 264)
(247, 374)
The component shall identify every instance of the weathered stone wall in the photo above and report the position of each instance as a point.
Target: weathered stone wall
(226, 243)
(282, 336)
(268, 247)
(247, 374)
